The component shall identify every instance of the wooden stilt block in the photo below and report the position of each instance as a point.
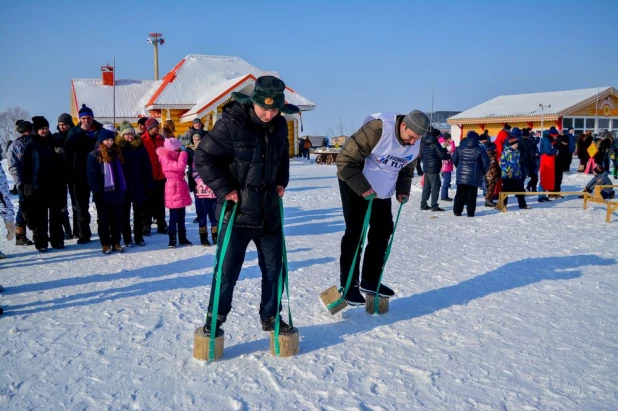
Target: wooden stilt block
(332, 298)
(201, 345)
(382, 304)
(289, 345)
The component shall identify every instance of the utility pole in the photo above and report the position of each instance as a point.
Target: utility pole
(155, 39)
(542, 115)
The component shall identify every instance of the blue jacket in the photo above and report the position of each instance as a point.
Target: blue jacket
(472, 162)
(136, 169)
(510, 164)
(96, 180)
(432, 154)
(547, 147)
(16, 154)
(572, 140)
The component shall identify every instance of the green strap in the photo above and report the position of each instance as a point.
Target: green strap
(388, 252)
(217, 291)
(280, 286)
(344, 291)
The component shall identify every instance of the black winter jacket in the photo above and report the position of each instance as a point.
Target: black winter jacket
(40, 167)
(529, 153)
(432, 154)
(472, 162)
(77, 147)
(242, 153)
(136, 169)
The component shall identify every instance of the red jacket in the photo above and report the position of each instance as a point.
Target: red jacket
(500, 140)
(151, 146)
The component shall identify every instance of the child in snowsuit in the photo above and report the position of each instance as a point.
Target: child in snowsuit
(106, 180)
(547, 167)
(510, 166)
(447, 166)
(6, 209)
(177, 197)
(16, 165)
(208, 204)
(493, 174)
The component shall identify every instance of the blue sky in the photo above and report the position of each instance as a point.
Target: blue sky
(351, 58)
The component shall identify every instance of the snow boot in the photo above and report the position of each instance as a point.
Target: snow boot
(172, 243)
(218, 331)
(268, 324)
(490, 204)
(146, 230)
(20, 236)
(182, 238)
(215, 234)
(371, 290)
(204, 237)
(354, 297)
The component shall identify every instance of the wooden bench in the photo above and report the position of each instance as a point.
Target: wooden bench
(503, 195)
(596, 197)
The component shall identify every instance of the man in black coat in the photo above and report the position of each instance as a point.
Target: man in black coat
(432, 154)
(245, 161)
(65, 123)
(81, 140)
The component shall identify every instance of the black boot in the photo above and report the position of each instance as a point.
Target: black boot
(215, 235)
(268, 324)
(218, 331)
(146, 230)
(182, 238)
(172, 243)
(204, 237)
(20, 236)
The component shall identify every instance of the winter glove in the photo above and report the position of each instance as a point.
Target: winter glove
(59, 151)
(97, 197)
(28, 190)
(10, 230)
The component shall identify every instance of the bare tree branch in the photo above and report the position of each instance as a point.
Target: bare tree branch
(8, 118)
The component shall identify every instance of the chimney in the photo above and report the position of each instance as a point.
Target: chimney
(108, 75)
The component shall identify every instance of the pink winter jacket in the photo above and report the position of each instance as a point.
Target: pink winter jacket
(173, 165)
(447, 165)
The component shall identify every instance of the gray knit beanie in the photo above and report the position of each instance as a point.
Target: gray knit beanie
(66, 118)
(417, 121)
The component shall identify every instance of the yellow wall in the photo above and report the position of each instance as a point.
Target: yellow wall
(589, 110)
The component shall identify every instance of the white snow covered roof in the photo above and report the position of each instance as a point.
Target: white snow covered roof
(131, 97)
(527, 105)
(202, 82)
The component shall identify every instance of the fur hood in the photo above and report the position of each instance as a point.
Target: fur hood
(122, 143)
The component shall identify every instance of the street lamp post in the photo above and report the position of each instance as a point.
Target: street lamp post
(155, 39)
(542, 115)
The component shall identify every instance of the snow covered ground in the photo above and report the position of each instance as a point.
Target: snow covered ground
(512, 311)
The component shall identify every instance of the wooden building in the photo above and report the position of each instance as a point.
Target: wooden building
(197, 87)
(594, 109)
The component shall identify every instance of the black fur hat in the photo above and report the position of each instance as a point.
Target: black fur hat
(268, 93)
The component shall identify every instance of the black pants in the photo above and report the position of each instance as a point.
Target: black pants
(269, 244)
(514, 185)
(380, 230)
(465, 195)
(109, 220)
(154, 209)
(567, 162)
(45, 213)
(177, 222)
(81, 195)
(559, 173)
(138, 227)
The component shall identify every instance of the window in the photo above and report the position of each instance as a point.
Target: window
(603, 124)
(567, 123)
(590, 123)
(578, 131)
(579, 123)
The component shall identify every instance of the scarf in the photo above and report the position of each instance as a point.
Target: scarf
(112, 174)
